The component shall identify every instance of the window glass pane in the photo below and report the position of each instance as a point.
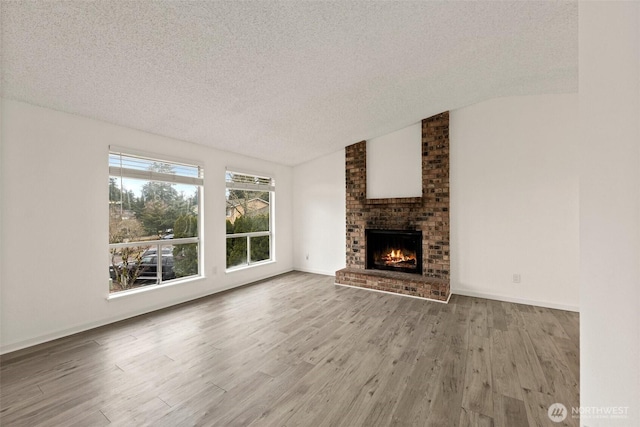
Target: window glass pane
(183, 261)
(147, 212)
(247, 211)
(150, 210)
(248, 218)
(128, 267)
(236, 251)
(148, 269)
(260, 250)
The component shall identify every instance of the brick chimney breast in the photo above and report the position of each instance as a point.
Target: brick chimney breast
(429, 213)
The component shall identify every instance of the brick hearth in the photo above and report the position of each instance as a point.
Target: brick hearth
(429, 213)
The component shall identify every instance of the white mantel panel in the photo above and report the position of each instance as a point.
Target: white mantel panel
(394, 164)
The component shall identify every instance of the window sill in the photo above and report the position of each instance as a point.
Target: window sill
(144, 289)
(246, 267)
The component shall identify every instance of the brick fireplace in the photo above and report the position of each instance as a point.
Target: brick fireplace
(428, 214)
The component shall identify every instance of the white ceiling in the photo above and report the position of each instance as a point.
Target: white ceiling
(282, 80)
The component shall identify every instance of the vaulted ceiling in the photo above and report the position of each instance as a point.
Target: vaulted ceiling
(282, 80)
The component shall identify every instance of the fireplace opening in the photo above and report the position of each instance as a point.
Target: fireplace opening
(394, 250)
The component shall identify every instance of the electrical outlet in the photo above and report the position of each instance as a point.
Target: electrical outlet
(516, 278)
(307, 256)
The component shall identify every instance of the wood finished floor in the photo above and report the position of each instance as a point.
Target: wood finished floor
(296, 350)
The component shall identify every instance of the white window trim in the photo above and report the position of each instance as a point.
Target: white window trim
(142, 289)
(271, 233)
(156, 176)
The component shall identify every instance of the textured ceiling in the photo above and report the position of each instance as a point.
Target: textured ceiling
(282, 80)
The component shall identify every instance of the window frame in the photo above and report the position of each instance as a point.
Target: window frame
(271, 189)
(157, 244)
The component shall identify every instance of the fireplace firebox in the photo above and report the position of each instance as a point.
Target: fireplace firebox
(394, 250)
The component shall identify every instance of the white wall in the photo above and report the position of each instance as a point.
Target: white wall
(610, 210)
(514, 200)
(394, 164)
(55, 224)
(319, 225)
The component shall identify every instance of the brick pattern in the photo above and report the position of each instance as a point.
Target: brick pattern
(397, 282)
(429, 214)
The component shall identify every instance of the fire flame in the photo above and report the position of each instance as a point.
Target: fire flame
(395, 256)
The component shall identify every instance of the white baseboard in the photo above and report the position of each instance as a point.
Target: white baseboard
(316, 271)
(41, 339)
(546, 304)
(395, 293)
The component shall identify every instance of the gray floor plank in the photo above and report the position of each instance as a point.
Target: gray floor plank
(297, 350)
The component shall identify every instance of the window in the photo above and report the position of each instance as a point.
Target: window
(154, 220)
(249, 218)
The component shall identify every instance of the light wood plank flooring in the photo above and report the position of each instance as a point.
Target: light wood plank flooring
(296, 350)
